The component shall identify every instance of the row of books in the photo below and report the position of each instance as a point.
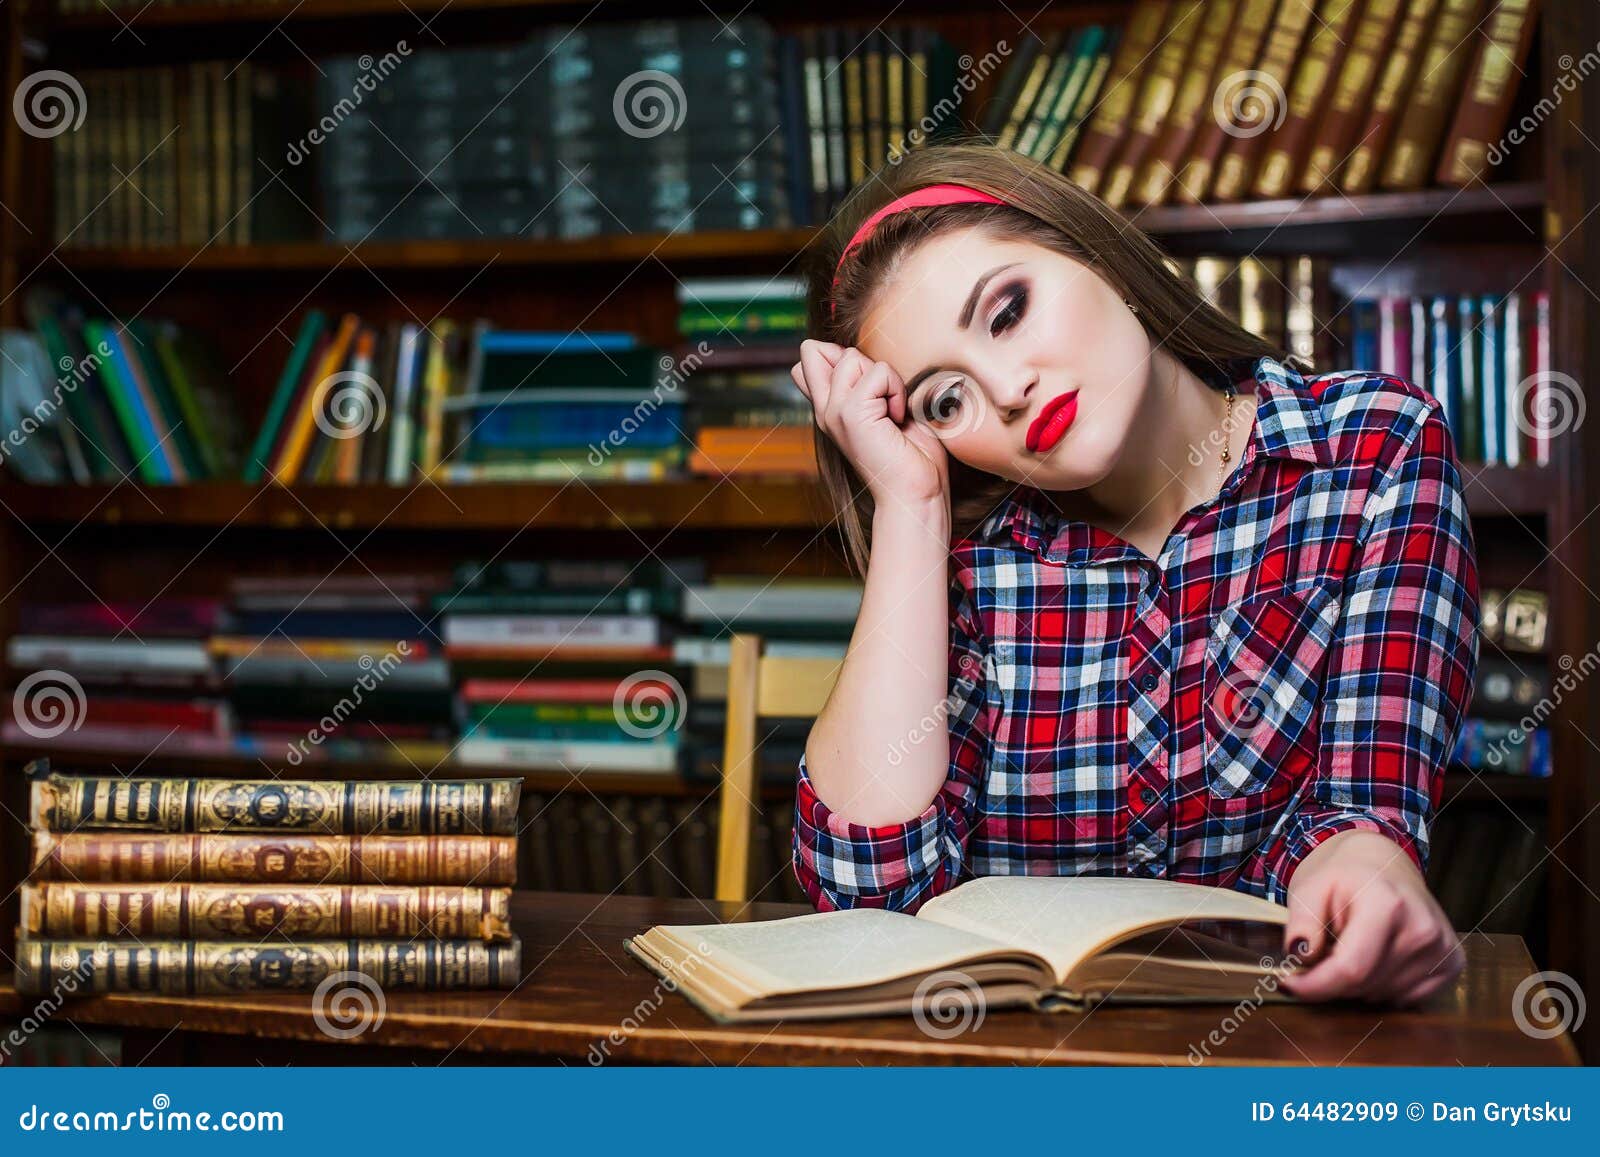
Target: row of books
(91, 399)
(188, 154)
(548, 664)
(217, 886)
(1217, 101)
(1485, 357)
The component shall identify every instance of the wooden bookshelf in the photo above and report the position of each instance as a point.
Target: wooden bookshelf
(770, 502)
(1286, 220)
(375, 766)
(1533, 228)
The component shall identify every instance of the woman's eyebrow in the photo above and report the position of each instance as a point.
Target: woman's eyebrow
(967, 309)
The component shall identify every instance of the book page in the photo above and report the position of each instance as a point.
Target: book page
(1065, 919)
(830, 950)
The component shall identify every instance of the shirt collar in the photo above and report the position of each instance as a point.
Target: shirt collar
(1288, 425)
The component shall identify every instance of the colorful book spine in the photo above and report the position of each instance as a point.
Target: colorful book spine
(201, 968)
(148, 911)
(95, 857)
(62, 803)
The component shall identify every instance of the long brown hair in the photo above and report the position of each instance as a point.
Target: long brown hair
(1042, 206)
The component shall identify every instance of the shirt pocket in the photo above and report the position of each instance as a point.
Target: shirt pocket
(1265, 663)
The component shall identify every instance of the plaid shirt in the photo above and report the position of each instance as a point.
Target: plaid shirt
(1295, 664)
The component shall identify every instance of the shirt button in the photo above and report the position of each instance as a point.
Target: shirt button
(1149, 682)
(1147, 795)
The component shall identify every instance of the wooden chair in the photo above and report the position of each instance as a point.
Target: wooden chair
(759, 686)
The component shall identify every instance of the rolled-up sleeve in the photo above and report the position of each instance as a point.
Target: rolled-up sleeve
(842, 864)
(1401, 667)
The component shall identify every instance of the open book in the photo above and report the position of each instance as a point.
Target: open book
(1049, 942)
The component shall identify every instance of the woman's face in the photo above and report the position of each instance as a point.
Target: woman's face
(1025, 363)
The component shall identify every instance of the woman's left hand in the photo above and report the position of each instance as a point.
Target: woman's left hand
(1373, 930)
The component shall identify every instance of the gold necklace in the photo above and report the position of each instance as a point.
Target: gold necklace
(1227, 437)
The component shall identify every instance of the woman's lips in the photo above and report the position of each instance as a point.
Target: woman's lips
(1052, 422)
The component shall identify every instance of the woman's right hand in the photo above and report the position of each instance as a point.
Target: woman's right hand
(861, 405)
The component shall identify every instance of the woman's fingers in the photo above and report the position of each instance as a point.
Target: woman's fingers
(1357, 956)
(817, 371)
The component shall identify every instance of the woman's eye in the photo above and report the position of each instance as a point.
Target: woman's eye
(1010, 314)
(944, 402)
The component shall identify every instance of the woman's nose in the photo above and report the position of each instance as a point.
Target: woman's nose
(1014, 395)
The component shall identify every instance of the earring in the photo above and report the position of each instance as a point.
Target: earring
(1131, 307)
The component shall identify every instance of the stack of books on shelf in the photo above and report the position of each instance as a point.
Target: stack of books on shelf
(124, 676)
(658, 126)
(857, 96)
(548, 405)
(740, 336)
(389, 403)
(1227, 100)
(1287, 300)
(188, 154)
(654, 126)
(797, 617)
(200, 886)
(567, 664)
(335, 666)
(105, 400)
(1485, 357)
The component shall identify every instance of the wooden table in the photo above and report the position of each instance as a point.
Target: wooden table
(581, 995)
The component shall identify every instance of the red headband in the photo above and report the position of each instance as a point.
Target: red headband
(947, 194)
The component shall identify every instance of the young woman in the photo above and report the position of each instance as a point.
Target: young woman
(1142, 597)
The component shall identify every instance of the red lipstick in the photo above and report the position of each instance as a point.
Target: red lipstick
(1058, 414)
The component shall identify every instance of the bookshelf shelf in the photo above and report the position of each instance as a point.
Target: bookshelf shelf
(502, 252)
(771, 503)
(123, 761)
(1298, 212)
(282, 11)
(1282, 218)
(774, 503)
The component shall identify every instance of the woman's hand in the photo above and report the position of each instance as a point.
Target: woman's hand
(1373, 930)
(861, 405)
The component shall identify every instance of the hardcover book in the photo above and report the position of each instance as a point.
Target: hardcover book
(255, 912)
(200, 968)
(70, 803)
(273, 858)
(1049, 943)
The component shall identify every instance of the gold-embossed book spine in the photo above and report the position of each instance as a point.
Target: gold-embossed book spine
(202, 968)
(272, 858)
(142, 912)
(71, 803)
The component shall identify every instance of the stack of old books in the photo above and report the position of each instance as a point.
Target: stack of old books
(193, 886)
